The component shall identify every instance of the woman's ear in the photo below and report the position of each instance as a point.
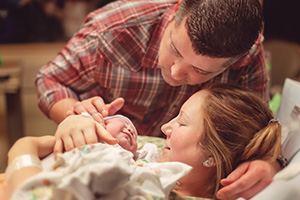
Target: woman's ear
(210, 162)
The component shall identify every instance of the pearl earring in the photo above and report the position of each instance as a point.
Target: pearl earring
(208, 163)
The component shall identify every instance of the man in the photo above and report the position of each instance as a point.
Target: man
(138, 51)
(155, 54)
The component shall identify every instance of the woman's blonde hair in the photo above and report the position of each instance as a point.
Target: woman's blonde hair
(237, 128)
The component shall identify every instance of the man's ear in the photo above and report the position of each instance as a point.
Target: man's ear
(210, 162)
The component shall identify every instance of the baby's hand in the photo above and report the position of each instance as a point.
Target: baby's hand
(78, 130)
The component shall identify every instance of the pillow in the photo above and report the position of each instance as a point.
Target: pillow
(286, 183)
(290, 97)
(291, 134)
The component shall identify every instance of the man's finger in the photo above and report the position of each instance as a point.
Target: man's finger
(113, 107)
(242, 186)
(98, 103)
(255, 189)
(104, 135)
(235, 174)
(233, 190)
(92, 105)
(78, 108)
(70, 113)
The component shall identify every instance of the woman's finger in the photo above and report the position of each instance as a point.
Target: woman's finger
(58, 147)
(90, 136)
(98, 117)
(68, 143)
(45, 145)
(78, 138)
(104, 135)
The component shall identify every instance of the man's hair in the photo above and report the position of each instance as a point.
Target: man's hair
(221, 28)
(237, 128)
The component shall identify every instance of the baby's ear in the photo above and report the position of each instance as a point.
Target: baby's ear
(210, 162)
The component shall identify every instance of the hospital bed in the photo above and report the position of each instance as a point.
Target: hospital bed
(286, 183)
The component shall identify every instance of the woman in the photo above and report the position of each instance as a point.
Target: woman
(217, 128)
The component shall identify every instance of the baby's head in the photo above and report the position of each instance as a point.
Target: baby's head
(123, 129)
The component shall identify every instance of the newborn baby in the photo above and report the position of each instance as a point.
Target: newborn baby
(123, 129)
(119, 127)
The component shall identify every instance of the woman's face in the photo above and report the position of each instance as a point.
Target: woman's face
(184, 132)
(122, 129)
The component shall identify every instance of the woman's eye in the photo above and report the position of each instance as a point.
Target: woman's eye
(180, 123)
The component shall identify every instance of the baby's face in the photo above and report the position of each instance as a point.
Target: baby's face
(122, 129)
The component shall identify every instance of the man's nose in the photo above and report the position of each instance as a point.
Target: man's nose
(178, 71)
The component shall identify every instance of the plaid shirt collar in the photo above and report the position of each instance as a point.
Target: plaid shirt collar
(150, 60)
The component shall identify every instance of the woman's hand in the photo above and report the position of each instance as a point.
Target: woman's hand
(3, 187)
(78, 130)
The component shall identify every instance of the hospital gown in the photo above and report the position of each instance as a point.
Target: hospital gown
(102, 171)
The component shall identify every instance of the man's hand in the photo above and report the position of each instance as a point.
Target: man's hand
(96, 105)
(78, 130)
(248, 179)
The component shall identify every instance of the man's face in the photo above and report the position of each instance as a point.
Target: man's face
(179, 63)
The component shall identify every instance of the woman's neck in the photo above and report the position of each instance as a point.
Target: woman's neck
(196, 188)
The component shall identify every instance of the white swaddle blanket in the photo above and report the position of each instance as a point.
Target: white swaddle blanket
(102, 171)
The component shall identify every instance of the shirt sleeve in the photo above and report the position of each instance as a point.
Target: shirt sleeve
(71, 72)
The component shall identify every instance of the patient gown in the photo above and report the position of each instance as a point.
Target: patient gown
(102, 171)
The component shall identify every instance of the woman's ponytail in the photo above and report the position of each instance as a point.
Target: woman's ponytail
(264, 144)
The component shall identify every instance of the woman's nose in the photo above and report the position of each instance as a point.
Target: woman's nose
(166, 129)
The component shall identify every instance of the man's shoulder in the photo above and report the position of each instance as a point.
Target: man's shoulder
(127, 27)
(129, 13)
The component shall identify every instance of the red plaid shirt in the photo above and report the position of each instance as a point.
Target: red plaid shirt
(115, 54)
